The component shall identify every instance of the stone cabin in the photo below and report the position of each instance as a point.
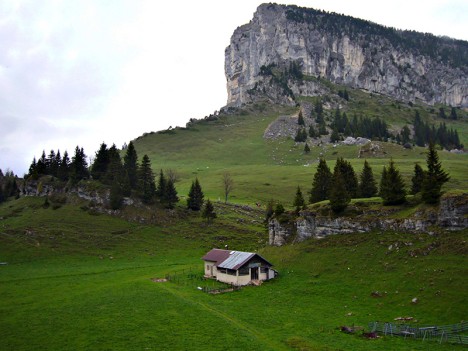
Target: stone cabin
(237, 267)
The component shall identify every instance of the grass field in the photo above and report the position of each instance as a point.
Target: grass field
(264, 169)
(80, 281)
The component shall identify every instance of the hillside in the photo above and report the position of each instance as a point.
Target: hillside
(72, 279)
(408, 66)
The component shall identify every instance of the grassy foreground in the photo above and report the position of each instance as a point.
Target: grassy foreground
(77, 281)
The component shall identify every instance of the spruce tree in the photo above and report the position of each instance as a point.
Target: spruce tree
(312, 132)
(434, 177)
(116, 196)
(131, 165)
(208, 211)
(299, 200)
(170, 194)
(195, 196)
(321, 182)
(349, 176)
(33, 170)
(162, 186)
(417, 179)
(300, 119)
(306, 148)
(334, 137)
(101, 161)
(339, 196)
(367, 184)
(78, 166)
(114, 169)
(146, 185)
(392, 187)
(64, 167)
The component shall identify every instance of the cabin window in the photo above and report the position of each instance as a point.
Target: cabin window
(244, 271)
(264, 270)
(222, 270)
(231, 272)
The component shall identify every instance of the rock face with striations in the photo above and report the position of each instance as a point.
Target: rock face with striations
(284, 49)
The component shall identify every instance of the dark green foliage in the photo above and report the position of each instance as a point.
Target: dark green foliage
(372, 128)
(146, 185)
(453, 113)
(195, 196)
(170, 195)
(339, 196)
(299, 200)
(300, 119)
(306, 148)
(101, 161)
(78, 166)
(208, 212)
(312, 132)
(8, 186)
(349, 176)
(405, 135)
(321, 183)
(64, 167)
(279, 210)
(114, 170)
(269, 210)
(301, 135)
(335, 136)
(392, 187)
(322, 129)
(162, 185)
(319, 112)
(425, 133)
(343, 94)
(131, 165)
(367, 184)
(33, 172)
(417, 179)
(434, 177)
(116, 196)
(442, 113)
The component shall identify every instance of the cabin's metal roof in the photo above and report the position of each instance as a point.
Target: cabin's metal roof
(230, 259)
(236, 259)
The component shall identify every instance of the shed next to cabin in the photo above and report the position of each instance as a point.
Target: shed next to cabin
(237, 267)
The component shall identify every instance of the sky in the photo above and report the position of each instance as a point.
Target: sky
(83, 72)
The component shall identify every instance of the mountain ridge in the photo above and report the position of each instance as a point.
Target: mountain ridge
(306, 44)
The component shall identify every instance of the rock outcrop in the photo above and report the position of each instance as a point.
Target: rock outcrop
(284, 50)
(451, 215)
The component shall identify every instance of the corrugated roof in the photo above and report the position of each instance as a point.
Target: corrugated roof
(236, 259)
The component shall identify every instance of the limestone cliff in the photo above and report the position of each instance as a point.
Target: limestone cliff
(450, 215)
(305, 44)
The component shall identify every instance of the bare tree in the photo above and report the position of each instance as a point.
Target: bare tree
(228, 185)
(172, 175)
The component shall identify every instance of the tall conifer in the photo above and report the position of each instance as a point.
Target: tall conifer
(367, 185)
(321, 182)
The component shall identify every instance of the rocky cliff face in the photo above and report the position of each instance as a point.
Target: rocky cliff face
(451, 215)
(292, 41)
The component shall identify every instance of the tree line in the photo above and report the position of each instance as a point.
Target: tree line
(343, 184)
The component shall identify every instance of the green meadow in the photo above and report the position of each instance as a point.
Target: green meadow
(75, 280)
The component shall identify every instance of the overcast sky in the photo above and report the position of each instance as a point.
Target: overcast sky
(80, 72)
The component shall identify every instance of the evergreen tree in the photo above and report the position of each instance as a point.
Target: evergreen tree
(339, 196)
(146, 185)
(208, 211)
(299, 200)
(453, 114)
(312, 132)
(301, 135)
(41, 166)
(322, 128)
(51, 164)
(131, 165)
(321, 182)
(349, 176)
(116, 196)
(300, 119)
(162, 186)
(269, 211)
(367, 185)
(334, 137)
(405, 134)
(417, 179)
(64, 167)
(101, 161)
(195, 196)
(33, 173)
(279, 209)
(442, 113)
(392, 187)
(434, 177)
(306, 148)
(78, 166)
(170, 194)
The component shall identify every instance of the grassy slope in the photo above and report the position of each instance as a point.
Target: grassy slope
(83, 282)
(264, 169)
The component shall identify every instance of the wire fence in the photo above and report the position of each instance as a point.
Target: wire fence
(453, 333)
(193, 277)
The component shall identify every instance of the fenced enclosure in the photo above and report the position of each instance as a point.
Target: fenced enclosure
(194, 277)
(454, 333)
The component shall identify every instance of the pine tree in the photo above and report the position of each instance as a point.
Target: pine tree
(312, 132)
(334, 137)
(195, 196)
(453, 114)
(321, 182)
(392, 187)
(434, 177)
(146, 185)
(162, 186)
(41, 166)
(78, 166)
(33, 170)
(339, 196)
(269, 210)
(299, 200)
(131, 165)
(300, 119)
(208, 211)
(417, 179)
(306, 148)
(349, 176)
(101, 161)
(367, 184)
(116, 196)
(170, 195)
(64, 167)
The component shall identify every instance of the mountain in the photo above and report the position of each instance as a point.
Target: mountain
(283, 52)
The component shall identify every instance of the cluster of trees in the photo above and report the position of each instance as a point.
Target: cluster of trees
(8, 185)
(60, 166)
(342, 185)
(372, 128)
(453, 113)
(425, 133)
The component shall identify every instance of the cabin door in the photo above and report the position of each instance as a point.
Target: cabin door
(254, 273)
